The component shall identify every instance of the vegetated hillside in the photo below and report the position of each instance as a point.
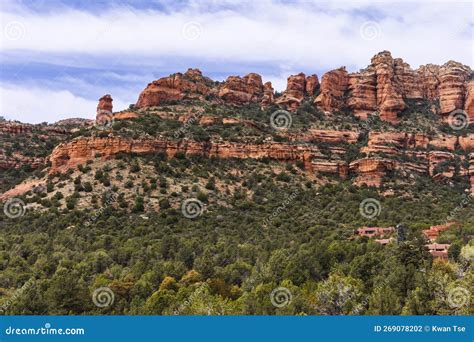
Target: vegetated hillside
(228, 198)
(263, 225)
(24, 148)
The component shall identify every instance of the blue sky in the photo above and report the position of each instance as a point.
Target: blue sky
(58, 57)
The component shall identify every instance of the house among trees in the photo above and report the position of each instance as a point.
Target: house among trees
(375, 231)
(439, 250)
(432, 233)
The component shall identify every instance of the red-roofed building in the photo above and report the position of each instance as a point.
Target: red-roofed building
(439, 250)
(432, 233)
(375, 231)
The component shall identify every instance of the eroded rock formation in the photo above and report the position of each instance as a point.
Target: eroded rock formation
(333, 87)
(104, 109)
(190, 85)
(370, 171)
(71, 154)
(268, 95)
(294, 93)
(452, 78)
(469, 101)
(17, 161)
(385, 85)
(241, 90)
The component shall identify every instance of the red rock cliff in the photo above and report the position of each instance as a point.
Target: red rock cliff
(190, 85)
(384, 85)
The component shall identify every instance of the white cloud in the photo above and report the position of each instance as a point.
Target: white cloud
(310, 36)
(304, 34)
(38, 105)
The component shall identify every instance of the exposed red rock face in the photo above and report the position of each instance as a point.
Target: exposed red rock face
(294, 93)
(408, 80)
(383, 86)
(362, 98)
(370, 171)
(104, 109)
(390, 143)
(437, 157)
(268, 95)
(14, 128)
(125, 115)
(452, 77)
(190, 85)
(207, 120)
(469, 102)
(380, 89)
(70, 154)
(333, 86)
(335, 167)
(376, 89)
(444, 141)
(312, 83)
(428, 79)
(389, 93)
(77, 122)
(12, 157)
(241, 90)
(394, 142)
(326, 136)
(105, 103)
(17, 161)
(467, 143)
(21, 188)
